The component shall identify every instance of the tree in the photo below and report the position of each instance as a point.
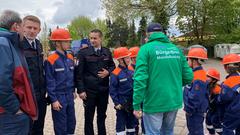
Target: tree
(160, 10)
(132, 39)
(193, 18)
(141, 34)
(101, 25)
(80, 27)
(117, 32)
(44, 38)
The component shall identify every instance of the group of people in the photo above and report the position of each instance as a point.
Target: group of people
(149, 83)
(220, 102)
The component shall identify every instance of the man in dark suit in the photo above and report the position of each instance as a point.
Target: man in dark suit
(34, 56)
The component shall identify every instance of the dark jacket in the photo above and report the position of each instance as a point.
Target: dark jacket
(89, 64)
(59, 74)
(34, 59)
(16, 89)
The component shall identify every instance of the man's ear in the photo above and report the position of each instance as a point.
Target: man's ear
(14, 27)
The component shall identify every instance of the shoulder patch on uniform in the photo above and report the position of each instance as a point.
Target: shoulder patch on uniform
(232, 81)
(130, 68)
(116, 71)
(70, 56)
(217, 89)
(200, 75)
(52, 58)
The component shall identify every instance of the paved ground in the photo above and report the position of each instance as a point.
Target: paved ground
(180, 126)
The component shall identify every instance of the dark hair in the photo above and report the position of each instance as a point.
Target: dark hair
(97, 31)
(8, 18)
(32, 18)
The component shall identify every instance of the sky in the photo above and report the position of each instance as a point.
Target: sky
(55, 12)
(61, 12)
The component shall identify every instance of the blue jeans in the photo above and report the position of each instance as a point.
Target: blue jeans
(159, 123)
(17, 124)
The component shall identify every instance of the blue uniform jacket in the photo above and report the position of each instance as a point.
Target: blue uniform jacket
(59, 70)
(230, 96)
(121, 85)
(196, 95)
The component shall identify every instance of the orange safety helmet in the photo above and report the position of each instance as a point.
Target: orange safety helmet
(134, 51)
(214, 73)
(230, 59)
(198, 53)
(60, 35)
(121, 52)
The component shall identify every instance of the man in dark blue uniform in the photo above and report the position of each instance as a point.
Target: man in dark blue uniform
(34, 55)
(92, 81)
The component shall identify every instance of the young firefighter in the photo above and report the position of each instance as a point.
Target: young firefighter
(230, 96)
(121, 92)
(215, 110)
(60, 86)
(133, 56)
(196, 95)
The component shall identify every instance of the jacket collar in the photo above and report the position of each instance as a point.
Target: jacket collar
(234, 74)
(197, 68)
(159, 36)
(64, 56)
(12, 36)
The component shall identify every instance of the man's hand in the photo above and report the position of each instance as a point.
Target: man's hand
(56, 106)
(83, 95)
(118, 107)
(74, 95)
(104, 73)
(137, 114)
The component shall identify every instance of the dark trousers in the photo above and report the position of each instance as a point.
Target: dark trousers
(64, 121)
(195, 123)
(99, 100)
(38, 125)
(213, 123)
(17, 124)
(125, 120)
(231, 123)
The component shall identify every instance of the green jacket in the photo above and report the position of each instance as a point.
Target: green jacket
(160, 73)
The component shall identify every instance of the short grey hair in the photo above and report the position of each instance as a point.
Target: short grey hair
(8, 18)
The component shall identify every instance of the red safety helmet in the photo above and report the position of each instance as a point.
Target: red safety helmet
(60, 35)
(134, 51)
(214, 73)
(230, 59)
(121, 52)
(198, 53)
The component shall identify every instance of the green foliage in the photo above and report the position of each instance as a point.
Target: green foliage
(157, 10)
(142, 30)
(80, 27)
(209, 17)
(117, 32)
(132, 39)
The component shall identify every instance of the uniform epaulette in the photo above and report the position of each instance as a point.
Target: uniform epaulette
(200, 75)
(52, 58)
(70, 56)
(217, 89)
(116, 71)
(232, 81)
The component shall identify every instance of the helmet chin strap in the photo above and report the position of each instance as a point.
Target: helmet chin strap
(124, 62)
